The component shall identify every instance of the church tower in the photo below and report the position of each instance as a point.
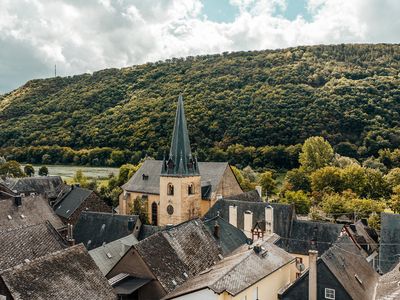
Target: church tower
(180, 187)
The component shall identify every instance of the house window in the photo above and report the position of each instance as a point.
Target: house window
(154, 214)
(170, 189)
(329, 294)
(190, 189)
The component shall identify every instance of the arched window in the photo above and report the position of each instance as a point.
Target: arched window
(170, 189)
(154, 216)
(190, 189)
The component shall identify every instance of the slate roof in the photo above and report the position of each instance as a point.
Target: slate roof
(180, 161)
(49, 186)
(179, 252)
(108, 255)
(347, 264)
(28, 242)
(66, 274)
(252, 196)
(283, 213)
(71, 201)
(34, 210)
(388, 285)
(230, 238)
(211, 174)
(93, 229)
(237, 272)
(301, 233)
(389, 242)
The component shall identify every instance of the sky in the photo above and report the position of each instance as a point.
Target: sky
(82, 36)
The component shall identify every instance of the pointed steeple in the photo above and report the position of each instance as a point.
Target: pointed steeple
(180, 161)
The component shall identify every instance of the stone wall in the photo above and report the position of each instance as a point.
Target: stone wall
(184, 206)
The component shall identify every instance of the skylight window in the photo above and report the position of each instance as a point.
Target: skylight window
(109, 255)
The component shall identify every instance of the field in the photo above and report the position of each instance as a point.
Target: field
(68, 172)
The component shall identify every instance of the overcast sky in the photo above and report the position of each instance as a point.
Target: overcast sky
(87, 35)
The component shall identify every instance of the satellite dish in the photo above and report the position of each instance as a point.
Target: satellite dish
(300, 266)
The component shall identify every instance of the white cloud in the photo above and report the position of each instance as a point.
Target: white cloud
(82, 36)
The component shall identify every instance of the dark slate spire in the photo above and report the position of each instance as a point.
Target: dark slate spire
(180, 161)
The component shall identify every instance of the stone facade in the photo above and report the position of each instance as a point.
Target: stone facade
(179, 206)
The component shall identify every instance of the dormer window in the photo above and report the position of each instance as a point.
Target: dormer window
(170, 189)
(191, 189)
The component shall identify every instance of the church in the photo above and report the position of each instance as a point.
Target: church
(178, 188)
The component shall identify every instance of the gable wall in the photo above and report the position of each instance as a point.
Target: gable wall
(325, 279)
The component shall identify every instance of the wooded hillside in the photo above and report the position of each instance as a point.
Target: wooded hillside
(349, 94)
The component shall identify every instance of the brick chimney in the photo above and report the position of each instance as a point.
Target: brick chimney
(312, 274)
(70, 235)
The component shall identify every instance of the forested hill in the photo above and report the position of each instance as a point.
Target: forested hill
(350, 94)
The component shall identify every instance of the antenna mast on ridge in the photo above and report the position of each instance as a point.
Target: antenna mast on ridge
(55, 70)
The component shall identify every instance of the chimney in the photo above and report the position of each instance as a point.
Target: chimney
(312, 274)
(70, 236)
(131, 224)
(259, 190)
(216, 230)
(18, 201)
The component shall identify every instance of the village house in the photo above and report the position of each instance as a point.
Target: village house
(20, 244)
(95, 229)
(256, 272)
(166, 259)
(21, 211)
(340, 273)
(259, 219)
(66, 274)
(179, 188)
(74, 199)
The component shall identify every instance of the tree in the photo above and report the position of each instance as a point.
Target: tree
(43, 171)
(333, 205)
(393, 177)
(327, 179)
(80, 178)
(11, 169)
(354, 178)
(244, 183)
(267, 182)
(300, 200)
(316, 153)
(376, 186)
(297, 179)
(140, 208)
(394, 202)
(29, 170)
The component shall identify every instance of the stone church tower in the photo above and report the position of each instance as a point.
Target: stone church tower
(180, 185)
